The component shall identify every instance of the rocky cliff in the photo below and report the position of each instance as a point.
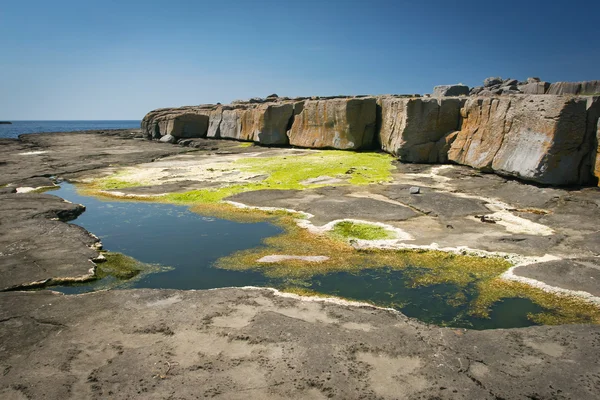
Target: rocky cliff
(511, 128)
(535, 137)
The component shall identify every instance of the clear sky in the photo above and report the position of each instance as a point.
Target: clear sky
(119, 59)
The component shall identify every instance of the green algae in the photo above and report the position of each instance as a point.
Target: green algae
(559, 309)
(285, 172)
(477, 279)
(358, 230)
(119, 266)
(45, 189)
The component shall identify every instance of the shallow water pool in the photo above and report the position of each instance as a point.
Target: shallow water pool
(190, 244)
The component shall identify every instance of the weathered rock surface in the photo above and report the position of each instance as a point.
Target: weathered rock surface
(492, 81)
(537, 138)
(415, 129)
(35, 246)
(597, 163)
(450, 90)
(347, 124)
(265, 124)
(575, 88)
(236, 343)
(534, 87)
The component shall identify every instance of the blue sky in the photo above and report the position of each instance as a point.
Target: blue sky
(119, 59)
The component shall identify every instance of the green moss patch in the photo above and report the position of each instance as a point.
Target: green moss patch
(119, 266)
(358, 230)
(285, 172)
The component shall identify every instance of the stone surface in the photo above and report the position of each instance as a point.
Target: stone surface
(575, 274)
(537, 138)
(415, 129)
(564, 88)
(347, 124)
(236, 343)
(491, 81)
(597, 160)
(168, 139)
(271, 124)
(590, 88)
(450, 90)
(188, 126)
(534, 87)
(35, 246)
(574, 88)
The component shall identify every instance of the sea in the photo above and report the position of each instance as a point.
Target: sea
(17, 128)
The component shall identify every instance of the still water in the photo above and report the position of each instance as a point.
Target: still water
(190, 244)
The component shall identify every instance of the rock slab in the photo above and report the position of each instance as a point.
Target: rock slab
(537, 138)
(415, 129)
(346, 124)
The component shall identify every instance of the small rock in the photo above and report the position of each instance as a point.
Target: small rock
(168, 139)
(487, 218)
(414, 190)
(185, 142)
(491, 81)
(476, 90)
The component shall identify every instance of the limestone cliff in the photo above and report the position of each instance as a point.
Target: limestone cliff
(538, 138)
(549, 139)
(415, 129)
(347, 124)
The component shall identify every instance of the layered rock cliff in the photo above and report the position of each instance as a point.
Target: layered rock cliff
(538, 138)
(549, 139)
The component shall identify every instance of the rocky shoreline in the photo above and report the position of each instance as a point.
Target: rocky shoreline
(506, 127)
(249, 342)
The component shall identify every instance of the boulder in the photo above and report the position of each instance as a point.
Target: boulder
(347, 123)
(534, 87)
(537, 138)
(182, 122)
(214, 123)
(188, 126)
(491, 81)
(533, 80)
(451, 90)
(168, 139)
(510, 82)
(476, 90)
(415, 129)
(262, 123)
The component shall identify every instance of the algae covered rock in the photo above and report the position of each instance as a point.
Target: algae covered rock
(345, 123)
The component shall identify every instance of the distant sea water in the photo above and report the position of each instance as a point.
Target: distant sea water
(19, 127)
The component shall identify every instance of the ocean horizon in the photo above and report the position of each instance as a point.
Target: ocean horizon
(19, 127)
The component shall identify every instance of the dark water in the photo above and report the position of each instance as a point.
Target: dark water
(191, 243)
(171, 236)
(436, 304)
(19, 127)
